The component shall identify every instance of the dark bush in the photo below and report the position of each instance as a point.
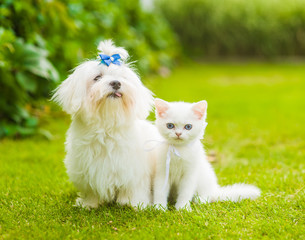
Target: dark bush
(258, 28)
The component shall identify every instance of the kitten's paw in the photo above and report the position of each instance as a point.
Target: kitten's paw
(87, 204)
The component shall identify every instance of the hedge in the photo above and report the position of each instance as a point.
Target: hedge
(258, 28)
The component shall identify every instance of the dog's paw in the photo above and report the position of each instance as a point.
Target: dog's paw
(123, 200)
(203, 200)
(140, 206)
(160, 207)
(80, 202)
(186, 207)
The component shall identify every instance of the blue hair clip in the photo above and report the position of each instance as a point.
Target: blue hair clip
(107, 60)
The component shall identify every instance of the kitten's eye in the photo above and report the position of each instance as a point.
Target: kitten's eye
(170, 125)
(188, 126)
(97, 77)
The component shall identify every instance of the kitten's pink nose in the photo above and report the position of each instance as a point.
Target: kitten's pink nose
(178, 134)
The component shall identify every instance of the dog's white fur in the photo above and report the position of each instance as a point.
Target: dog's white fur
(106, 159)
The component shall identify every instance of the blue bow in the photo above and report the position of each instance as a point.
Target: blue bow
(107, 60)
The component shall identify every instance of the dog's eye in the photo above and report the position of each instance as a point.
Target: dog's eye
(97, 77)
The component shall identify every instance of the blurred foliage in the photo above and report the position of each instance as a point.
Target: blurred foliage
(258, 28)
(40, 40)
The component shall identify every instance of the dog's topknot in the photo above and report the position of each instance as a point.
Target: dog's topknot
(107, 47)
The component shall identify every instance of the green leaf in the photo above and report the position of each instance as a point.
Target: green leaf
(45, 133)
(25, 131)
(27, 82)
(31, 122)
(34, 60)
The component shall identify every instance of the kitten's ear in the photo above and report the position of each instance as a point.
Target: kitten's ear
(161, 107)
(200, 109)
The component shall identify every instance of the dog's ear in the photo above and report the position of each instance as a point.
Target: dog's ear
(144, 106)
(161, 107)
(71, 92)
(107, 47)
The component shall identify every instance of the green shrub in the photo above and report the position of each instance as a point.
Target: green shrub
(41, 40)
(257, 28)
(25, 73)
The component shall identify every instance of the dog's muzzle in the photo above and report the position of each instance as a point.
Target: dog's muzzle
(115, 94)
(116, 85)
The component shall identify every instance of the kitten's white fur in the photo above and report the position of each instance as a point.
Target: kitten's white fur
(105, 157)
(191, 173)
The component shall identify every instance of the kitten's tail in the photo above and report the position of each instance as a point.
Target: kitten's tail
(236, 192)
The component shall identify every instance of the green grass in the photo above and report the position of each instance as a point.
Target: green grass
(256, 127)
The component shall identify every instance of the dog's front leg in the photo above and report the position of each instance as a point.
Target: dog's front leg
(87, 200)
(137, 196)
(123, 197)
(141, 197)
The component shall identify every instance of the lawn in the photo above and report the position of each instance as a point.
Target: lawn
(256, 116)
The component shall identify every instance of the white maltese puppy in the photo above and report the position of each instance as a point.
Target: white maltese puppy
(106, 158)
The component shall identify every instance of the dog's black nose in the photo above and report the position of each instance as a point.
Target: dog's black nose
(115, 84)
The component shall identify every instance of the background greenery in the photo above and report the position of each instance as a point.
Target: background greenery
(41, 40)
(235, 28)
(256, 128)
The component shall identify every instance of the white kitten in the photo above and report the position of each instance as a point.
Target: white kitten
(108, 104)
(182, 126)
